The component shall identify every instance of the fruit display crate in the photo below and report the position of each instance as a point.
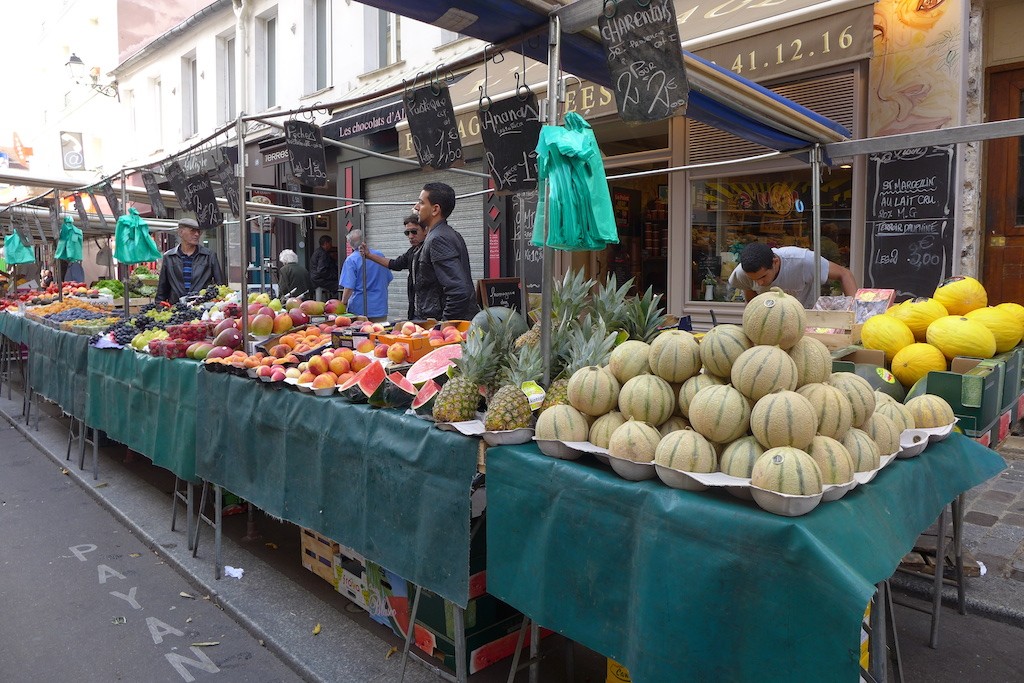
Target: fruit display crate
(973, 388)
(418, 346)
(318, 553)
(1014, 362)
(835, 329)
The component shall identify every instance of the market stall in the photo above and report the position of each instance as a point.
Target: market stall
(704, 586)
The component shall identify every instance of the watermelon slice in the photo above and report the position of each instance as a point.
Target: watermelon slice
(359, 387)
(434, 365)
(423, 404)
(395, 392)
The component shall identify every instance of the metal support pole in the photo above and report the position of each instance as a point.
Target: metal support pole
(816, 213)
(554, 33)
(243, 227)
(58, 276)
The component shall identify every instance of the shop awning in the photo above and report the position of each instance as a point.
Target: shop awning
(718, 97)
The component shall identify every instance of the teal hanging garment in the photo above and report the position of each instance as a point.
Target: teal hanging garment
(15, 251)
(570, 169)
(69, 246)
(132, 242)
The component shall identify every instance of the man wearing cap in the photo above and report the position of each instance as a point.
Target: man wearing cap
(189, 267)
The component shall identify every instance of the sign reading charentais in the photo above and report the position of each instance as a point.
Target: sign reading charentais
(435, 135)
(111, 197)
(228, 186)
(510, 130)
(176, 179)
(203, 201)
(306, 154)
(80, 207)
(641, 43)
(153, 191)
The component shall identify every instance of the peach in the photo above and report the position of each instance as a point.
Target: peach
(323, 381)
(317, 365)
(360, 362)
(380, 350)
(264, 371)
(306, 377)
(365, 346)
(342, 321)
(338, 365)
(347, 354)
(398, 353)
(344, 377)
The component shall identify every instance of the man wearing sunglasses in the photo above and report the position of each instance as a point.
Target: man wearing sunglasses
(416, 234)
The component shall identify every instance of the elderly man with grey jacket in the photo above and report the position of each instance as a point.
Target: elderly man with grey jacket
(189, 267)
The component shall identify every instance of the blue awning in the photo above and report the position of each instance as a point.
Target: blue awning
(718, 97)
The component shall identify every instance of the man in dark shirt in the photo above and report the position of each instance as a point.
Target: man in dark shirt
(444, 283)
(416, 234)
(189, 267)
(323, 269)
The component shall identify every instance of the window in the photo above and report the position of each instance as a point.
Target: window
(226, 79)
(383, 39)
(266, 65)
(318, 45)
(189, 97)
(157, 122)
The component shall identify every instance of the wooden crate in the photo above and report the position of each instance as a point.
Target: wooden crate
(835, 329)
(318, 553)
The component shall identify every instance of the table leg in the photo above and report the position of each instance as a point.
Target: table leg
(877, 646)
(218, 525)
(519, 648)
(461, 665)
(409, 632)
(958, 552)
(940, 564)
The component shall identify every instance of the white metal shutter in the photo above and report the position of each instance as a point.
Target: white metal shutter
(384, 222)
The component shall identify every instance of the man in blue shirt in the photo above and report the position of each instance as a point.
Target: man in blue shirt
(375, 305)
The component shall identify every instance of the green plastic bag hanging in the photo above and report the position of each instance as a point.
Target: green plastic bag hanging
(16, 252)
(69, 246)
(570, 169)
(132, 242)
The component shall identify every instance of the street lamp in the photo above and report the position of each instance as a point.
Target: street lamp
(76, 68)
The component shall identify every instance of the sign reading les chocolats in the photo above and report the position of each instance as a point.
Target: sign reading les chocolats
(306, 154)
(641, 43)
(435, 135)
(510, 130)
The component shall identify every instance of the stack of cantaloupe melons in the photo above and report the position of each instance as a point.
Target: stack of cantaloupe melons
(757, 400)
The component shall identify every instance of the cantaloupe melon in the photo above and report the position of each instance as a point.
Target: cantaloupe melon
(686, 450)
(629, 359)
(813, 361)
(918, 314)
(881, 398)
(648, 398)
(601, 430)
(863, 450)
(562, 423)
(674, 356)
(930, 411)
(913, 362)
(634, 440)
(738, 458)
(720, 348)
(787, 470)
(884, 432)
(674, 424)
(956, 335)
(886, 333)
(783, 418)
(774, 318)
(593, 390)
(832, 408)
(859, 393)
(720, 413)
(1003, 325)
(760, 370)
(960, 294)
(898, 413)
(692, 386)
(833, 460)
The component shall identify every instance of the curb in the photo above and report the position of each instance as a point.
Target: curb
(921, 588)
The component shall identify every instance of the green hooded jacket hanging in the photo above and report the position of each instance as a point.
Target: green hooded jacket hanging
(16, 252)
(69, 246)
(132, 242)
(570, 170)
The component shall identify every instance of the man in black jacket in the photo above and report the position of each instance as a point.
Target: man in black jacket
(416, 234)
(323, 269)
(189, 267)
(444, 283)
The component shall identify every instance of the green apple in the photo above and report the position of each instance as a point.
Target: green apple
(275, 304)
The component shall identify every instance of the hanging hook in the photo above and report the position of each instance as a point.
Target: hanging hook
(410, 90)
(613, 4)
(643, 3)
(523, 91)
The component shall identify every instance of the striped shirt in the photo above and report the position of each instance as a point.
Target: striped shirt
(186, 269)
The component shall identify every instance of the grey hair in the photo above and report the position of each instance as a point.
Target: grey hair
(355, 238)
(288, 256)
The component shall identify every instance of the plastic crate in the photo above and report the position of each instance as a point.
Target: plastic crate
(318, 553)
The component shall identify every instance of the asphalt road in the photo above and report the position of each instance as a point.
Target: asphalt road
(81, 598)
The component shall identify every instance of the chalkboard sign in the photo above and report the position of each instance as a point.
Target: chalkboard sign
(153, 191)
(229, 187)
(83, 215)
(96, 206)
(111, 197)
(176, 179)
(306, 153)
(500, 291)
(203, 201)
(435, 134)
(641, 44)
(522, 215)
(909, 245)
(55, 219)
(510, 129)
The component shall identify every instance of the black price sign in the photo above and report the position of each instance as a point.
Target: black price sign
(500, 291)
(527, 259)
(203, 201)
(96, 206)
(80, 207)
(641, 43)
(176, 178)
(306, 154)
(435, 133)
(153, 191)
(910, 219)
(510, 129)
(228, 186)
(111, 197)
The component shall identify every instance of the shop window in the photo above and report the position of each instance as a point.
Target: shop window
(774, 208)
(266, 62)
(318, 48)
(189, 97)
(226, 78)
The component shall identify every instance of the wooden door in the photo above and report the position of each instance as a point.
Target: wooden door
(1004, 195)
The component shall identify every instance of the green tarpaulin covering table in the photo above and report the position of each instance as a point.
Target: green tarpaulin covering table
(147, 403)
(701, 586)
(12, 326)
(57, 366)
(390, 486)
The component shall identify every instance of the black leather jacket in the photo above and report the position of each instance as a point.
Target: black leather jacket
(323, 270)
(444, 283)
(205, 270)
(406, 262)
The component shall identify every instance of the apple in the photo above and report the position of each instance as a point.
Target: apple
(398, 353)
(275, 304)
(380, 350)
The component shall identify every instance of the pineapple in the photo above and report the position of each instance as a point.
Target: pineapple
(643, 317)
(609, 302)
(587, 343)
(568, 299)
(460, 396)
(510, 407)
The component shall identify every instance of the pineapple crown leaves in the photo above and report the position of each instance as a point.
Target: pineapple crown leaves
(609, 302)
(525, 365)
(569, 297)
(479, 362)
(644, 316)
(504, 331)
(590, 343)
